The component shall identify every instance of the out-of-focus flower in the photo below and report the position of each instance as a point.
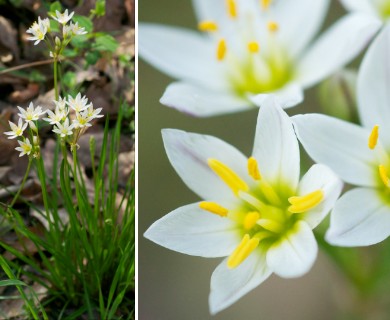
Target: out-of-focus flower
(25, 147)
(76, 29)
(79, 103)
(251, 50)
(39, 30)
(359, 155)
(16, 130)
(64, 129)
(255, 210)
(31, 113)
(63, 18)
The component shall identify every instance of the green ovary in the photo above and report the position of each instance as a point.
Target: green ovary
(384, 8)
(260, 74)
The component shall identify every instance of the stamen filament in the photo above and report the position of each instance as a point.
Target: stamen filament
(304, 203)
(270, 193)
(231, 8)
(228, 176)
(243, 250)
(384, 176)
(270, 225)
(207, 26)
(251, 219)
(221, 50)
(253, 169)
(253, 201)
(373, 139)
(214, 207)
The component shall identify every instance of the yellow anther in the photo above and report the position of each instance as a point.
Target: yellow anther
(251, 219)
(270, 225)
(243, 250)
(231, 8)
(306, 202)
(253, 47)
(221, 49)
(253, 169)
(384, 176)
(207, 26)
(373, 139)
(273, 26)
(265, 4)
(213, 207)
(228, 176)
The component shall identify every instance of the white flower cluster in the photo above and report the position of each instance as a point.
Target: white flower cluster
(40, 29)
(68, 125)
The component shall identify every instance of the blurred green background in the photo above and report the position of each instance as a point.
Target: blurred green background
(176, 286)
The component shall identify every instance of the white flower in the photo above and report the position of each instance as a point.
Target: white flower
(255, 210)
(92, 113)
(376, 8)
(39, 30)
(63, 18)
(79, 103)
(359, 155)
(31, 113)
(64, 129)
(55, 117)
(60, 104)
(17, 130)
(251, 52)
(76, 30)
(82, 120)
(25, 147)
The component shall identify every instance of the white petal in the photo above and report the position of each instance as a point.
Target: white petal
(340, 145)
(276, 146)
(295, 253)
(336, 47)
(289, 16)
(373, 86)
(194, 231)
(180, 53)
(365, 6)
(288, 96)
(188, 154)
(320, 177)
(229, 285)
(360, 218)
(202, 102)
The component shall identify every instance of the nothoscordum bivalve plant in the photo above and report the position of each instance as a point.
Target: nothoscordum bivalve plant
(248, 50)
(255, 211)
(376, 8)
(359, 155)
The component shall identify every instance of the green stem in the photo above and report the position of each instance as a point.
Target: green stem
(55, 79)
(23, 182)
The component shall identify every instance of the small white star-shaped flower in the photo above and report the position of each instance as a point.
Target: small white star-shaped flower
(16, 130)
(62, 18)
(25, 147)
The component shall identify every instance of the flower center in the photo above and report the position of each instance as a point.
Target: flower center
(264, 213)
(251, 65)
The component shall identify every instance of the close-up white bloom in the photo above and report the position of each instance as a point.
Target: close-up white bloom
(79, 103)
(92, 113)
(64, 129)
(39, 30)
(31, 113)
(16, 130)
(25, 147)
(63, 18)
(255, 211)
(359, 155)
(249, 50)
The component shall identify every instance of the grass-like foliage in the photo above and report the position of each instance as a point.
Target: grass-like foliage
(87, 264)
